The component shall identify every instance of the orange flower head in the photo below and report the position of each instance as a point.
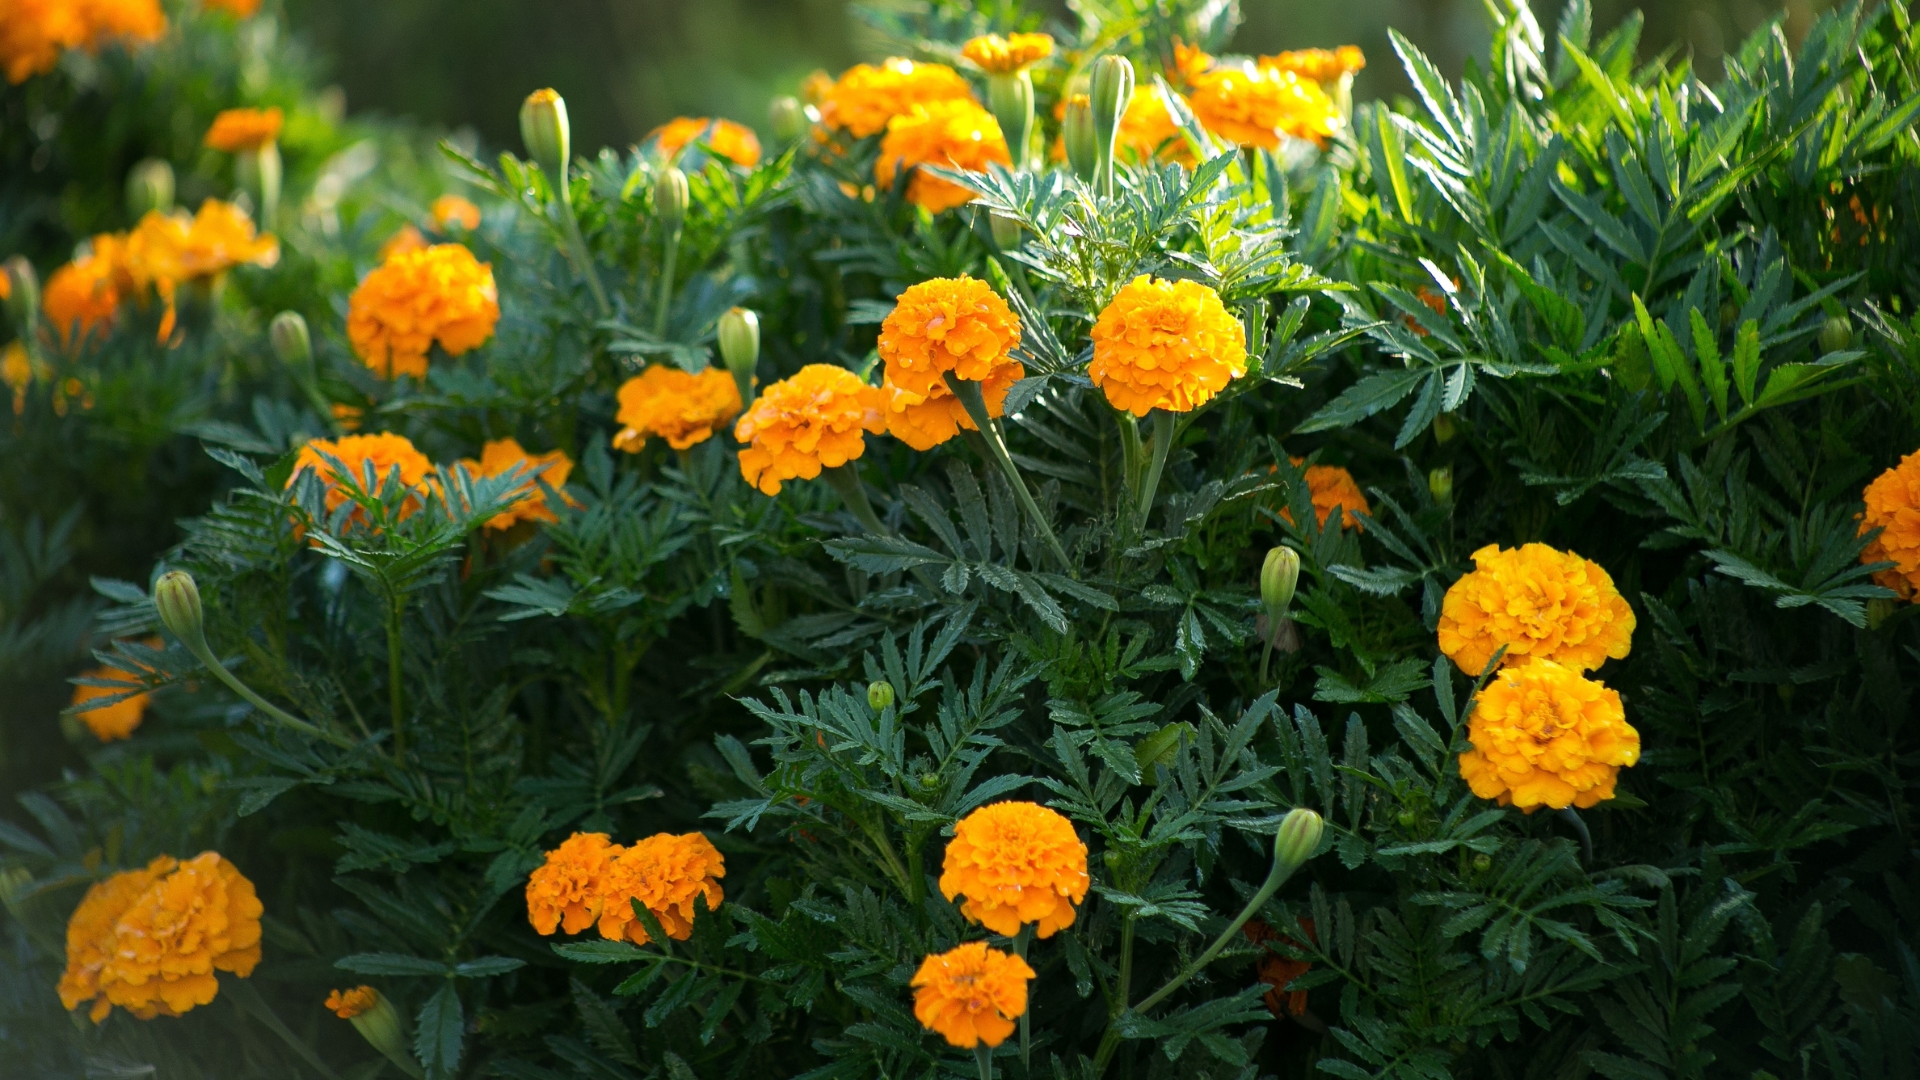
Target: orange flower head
(680, 407)
(501, 456)
(1277, 971)
(663, 873)
(1165, 345)
(33, 34)
(925, 422)
(115, 721)
(735, 142)
(1332, 488)
(564, 893)
(406, 238)
(801, 425)
(239, 9)
(16, 371)
(1190, 61)
(449, 211)
(417, 298)
(236, 131)
(942, 325)
(1545, 735)
(1016, 863)
(865, 98)
(1539, 602)
(136, 21)
(1893, 504)
(347, 1004)
(384, 452)
(81, 297)
(1318, 65)
(1254, 106)
(998, 55)
(347, 416)
(150, 940)
(1147, 131)
(166, 250)
(953, 134)
(971, 994)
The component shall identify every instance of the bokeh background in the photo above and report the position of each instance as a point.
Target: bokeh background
(626, 65)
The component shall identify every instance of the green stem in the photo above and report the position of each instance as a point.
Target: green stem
(248, 1000)
(1132, 463)
(1020, 943)
(976, 405)
(846, 483)
(1110, 1041)
(1150, 484)
(396, 692)
(983, 1057)
(198, 647)
(667, 259)
(577, 245)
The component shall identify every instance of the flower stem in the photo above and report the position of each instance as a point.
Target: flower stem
(198, 647)
(1020, 943)
(846, 483)
(577, 249)
(396, 692)
(1150, 484)
(668, 257)
(983, 1056)
(976, 405)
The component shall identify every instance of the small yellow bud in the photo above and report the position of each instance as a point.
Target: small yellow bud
(1440, 485)
(149, 187)
(177, 597)
(1077, 132)
(1445, 428)
(1298, 838)
(1837, 334)
(879, 695)
(380, 1025)
(670, 197)
(1112, 91)
(547, 136)
(1010, 98)
(788, 118)
(290, 340)
(1279, 577)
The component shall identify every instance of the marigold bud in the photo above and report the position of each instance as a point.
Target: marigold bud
(670, 198)
(23, 292)
(1112, 93)
(879, 695)
(739, 334)
(1444, 428)
(378, 1022)
(1076, 132)
(1482, 863)
(1440, 485)
(1298, 838)
(149, 187)
(1836, 334)
(1010, 98)
(1279, 577)
(290, 340)
(787, 115)
(547, 136)
(177, 597)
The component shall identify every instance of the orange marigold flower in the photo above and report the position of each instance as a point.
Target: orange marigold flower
(115, 721)
(150, 940)
(347, 416)
(735, 142)
(166, 250)
(439, 294)
(1147, 129)
(108, 20)
(812, 421)
(564, 893)
(82, 296)
(1893, 504)
(1544, 735)
(239, 9)
(925, 422)
(238, 130)
(1016, 863)
(1189, 61)
(1165, 345)
(33, 34)
(863, 99)
(1539, 602)
(1277, 971)
(956, 134)
(16, 371)
(384, 453)
(347, 1004)
(664, 873)
(1319, 65)
(998, 55)
(680, 407)
(501, 456)
(1255, 106)
(406, 238)
(942, 325)
(971, 994)
(448, 211)
(1332, 488)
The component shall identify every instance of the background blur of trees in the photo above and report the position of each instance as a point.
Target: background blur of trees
(627, 65)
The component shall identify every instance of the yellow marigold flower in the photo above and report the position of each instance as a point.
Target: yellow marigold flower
(439, 294)
(664, 873)
(1255, 106)
(115, 721)
(971, 994)
(1016, 863)
(1544, 735)
(406, 238)
(1147, 130)
(998, 55)
(450, 210)
(238, 130)
(865, 98)
(347, 1004)
(1319, 65)
(384, 452)
(1332, 488)
(955, 134)
(1539, 602)
(676, 405)
(735, 142)
(564, 893)
(925, 422)
(1189, 61)
(82, 296)
(150, 940)
(942, 325)
(1165, 345)
(812, 421)
(239, 9)
(1893, 504)
(501, 456)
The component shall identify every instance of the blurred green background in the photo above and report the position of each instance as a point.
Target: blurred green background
(627, 65)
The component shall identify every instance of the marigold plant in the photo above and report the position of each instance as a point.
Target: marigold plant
(866, 97)
(798, 426)
(1538, 602)
(563, 893)
(384, 453)
(924, 422)
(1016, 863)
(502, 456)
(664, 874)
(971, 994)
(735, 142)
(1165, 345)
(1545, 735)
(80, 298)
(417, 299)
(679, 406)
(1893, 506)
(236, 131)
(954, 134)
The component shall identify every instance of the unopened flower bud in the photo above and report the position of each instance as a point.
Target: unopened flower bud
(1836, 334)
(1279, 577)
(670, 197)
(739, 335)
(547, 136)
(1879, 610)
(379, 1023)
(788, 118)
(1112, 92)
(1444, 428)
(879, 695)
(1482, 863)
(290, 339)
(23, 293)
(1077, 132)
(1006, 231)
(149, 187)
(1440, 485)
(929, 781)
(1298, 838)
(1010, 98)
(177, 598)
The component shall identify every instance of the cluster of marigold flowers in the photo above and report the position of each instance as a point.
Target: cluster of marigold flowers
(590, 881)
(33, 33)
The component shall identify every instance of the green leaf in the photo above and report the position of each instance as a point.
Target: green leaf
(601, 952)
(391, 964)
(439, 1033)
(1706, 351)
(1746, 359)
(1364, 398)
(486, 967)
